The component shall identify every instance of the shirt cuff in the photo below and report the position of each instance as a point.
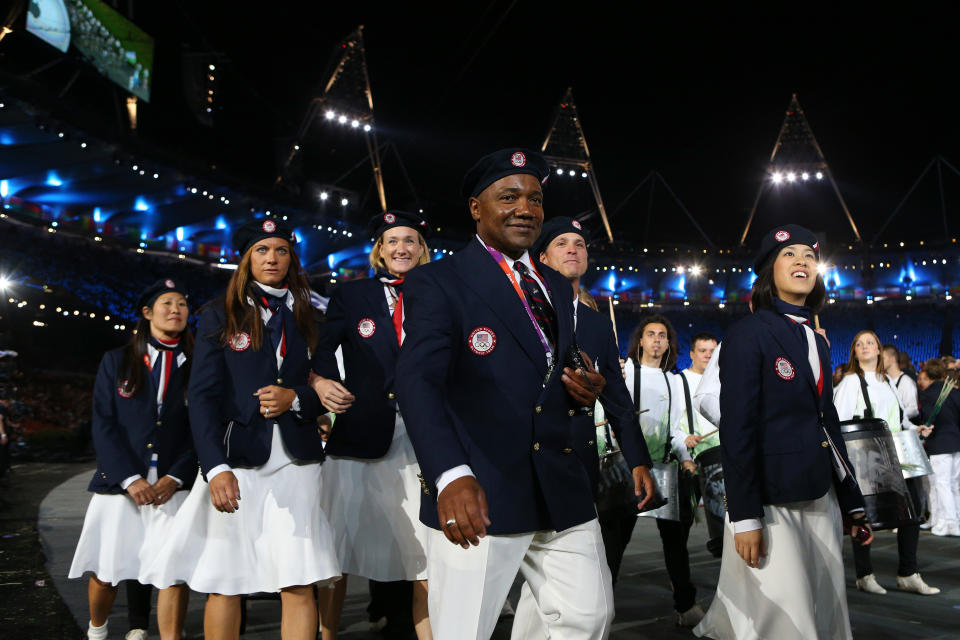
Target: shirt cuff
(450, 475)
(296, 404)
(129, 481)
(220, 468)
(176, 479)
(750, 524)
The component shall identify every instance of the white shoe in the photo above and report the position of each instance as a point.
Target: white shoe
(136, 634)
(926, 526)
(915, 584)
(940, 529)
(953, 530)
(691, 617)
(869, 584)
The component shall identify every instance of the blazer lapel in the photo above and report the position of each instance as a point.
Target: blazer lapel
(796, 351)
(484, 276)
(377, 299)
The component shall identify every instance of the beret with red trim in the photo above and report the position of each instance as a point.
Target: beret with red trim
(393, 218)
(157, 289)
(502, 163)
(783, 236)
(256, 230)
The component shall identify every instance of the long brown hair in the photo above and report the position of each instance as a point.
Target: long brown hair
(853, 365)
(242, 316)
(133, 367)
(669, 357)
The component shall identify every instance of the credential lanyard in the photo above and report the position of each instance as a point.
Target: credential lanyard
(526, 305)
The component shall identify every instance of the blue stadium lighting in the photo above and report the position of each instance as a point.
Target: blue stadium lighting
(141, 204)
(97, 215)
(53, 180)
(612, 282)
(4, 188)
(144, 235)
(180, 234)
(221, 222)
(296, 234)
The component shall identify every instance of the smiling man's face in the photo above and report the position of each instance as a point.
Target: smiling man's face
(509, 213)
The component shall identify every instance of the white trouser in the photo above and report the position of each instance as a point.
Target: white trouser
(946, 470)
(567, 573)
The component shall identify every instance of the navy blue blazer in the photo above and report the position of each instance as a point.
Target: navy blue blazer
(474, 389)
(127, 431)
(225, 417)
(945, 437)
(365, 430)
(772, 422)
(595, 337)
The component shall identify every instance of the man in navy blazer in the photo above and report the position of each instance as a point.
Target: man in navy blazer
(490, 408)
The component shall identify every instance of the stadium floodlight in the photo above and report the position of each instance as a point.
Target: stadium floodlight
(367, 128)
(777, 177)
(805, 176)
(791, 176)
(583, 175)
(4, 282)
(819, 175)
(324, 195)
(822, 268)
(342, 119)
(344, 202)
(212, 67)
(354, 123)
(695, 270)
(330, 115)
(559, 171)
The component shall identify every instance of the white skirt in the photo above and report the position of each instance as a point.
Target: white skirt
(119, 538)
(798, 592)
(279, 537)
(374, 508)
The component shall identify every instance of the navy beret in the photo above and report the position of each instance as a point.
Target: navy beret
(557, 227)
(783, 236)
(157, 289)
(500, 164)
(256, 230)
(393, 218)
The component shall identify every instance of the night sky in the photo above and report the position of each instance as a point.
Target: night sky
(698, 97)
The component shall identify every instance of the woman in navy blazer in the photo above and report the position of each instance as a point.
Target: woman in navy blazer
(371, 488)
(784, 461)
(253, 416)
(145, 457)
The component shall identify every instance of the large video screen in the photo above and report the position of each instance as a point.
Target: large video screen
(49, 21)
(116, 47)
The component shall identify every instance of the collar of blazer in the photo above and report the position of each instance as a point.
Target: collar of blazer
(796, 352)
(481, 274)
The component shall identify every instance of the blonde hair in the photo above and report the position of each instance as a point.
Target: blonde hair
(376, 261)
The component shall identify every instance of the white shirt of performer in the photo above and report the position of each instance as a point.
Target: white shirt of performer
(848, 398)
(659, 428)
(706, 397)
(907, 389)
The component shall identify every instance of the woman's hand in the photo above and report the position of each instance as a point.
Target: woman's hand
(751, 547)
(164, 488)
(925, 430)
(275, 400)
(333, 395)
(141, 492)
(225, 492)
(861, 531)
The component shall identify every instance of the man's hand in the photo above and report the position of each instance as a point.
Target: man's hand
(141, 492)
(751, 547)
(689, 466)
(164, 489)
(925, 430)
(643, 486)
(577, 385)
(225, 492)
(275, 400)
(463, 502)
(692, 441)
(333, 395)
